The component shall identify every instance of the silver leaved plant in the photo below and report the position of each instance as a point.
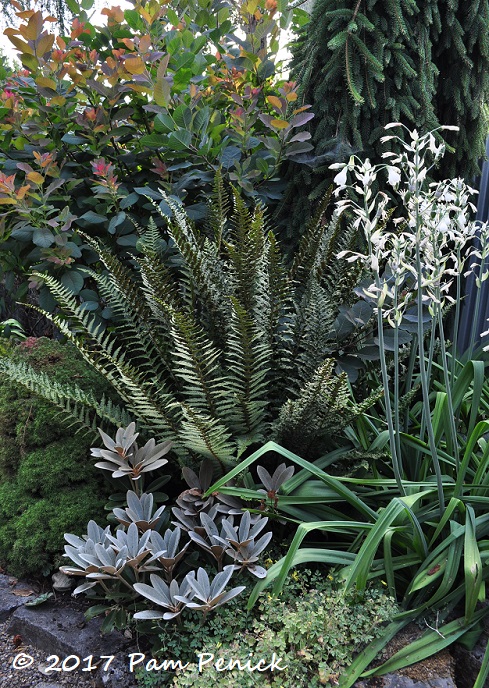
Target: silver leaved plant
(140, 511)
(123, 457)
(165, 550)
(210, 540)
(166, 596)
(135, 547)
(242, 544)
(211, 595)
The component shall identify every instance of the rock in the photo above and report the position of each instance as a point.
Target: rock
(60, 630)
(400, 681)
(468, 662)
(64, 632)
(9, 602)
(62, 582)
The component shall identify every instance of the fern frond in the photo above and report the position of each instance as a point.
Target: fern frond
(337, 277)
(208, 437)
(139, 334)
(102, 351)
(323, 408)
(247, 255)
(279, 329)
(132, 314)
(219, 207)
(316, 314)
(247, 359)
(202, 275)
(76, 405)
(157, 279)
(196, 364)
(305, 257)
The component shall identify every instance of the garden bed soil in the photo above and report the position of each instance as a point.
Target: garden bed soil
(438, 671)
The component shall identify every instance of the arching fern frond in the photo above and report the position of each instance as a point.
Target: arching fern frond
(81, 408)
(196, 363)
(200, 276)
(247, 358)
(306, 255)
(147, 400)
(214, 335)
(316, 314)
(322, 409)
(219, 207)
(209, 438)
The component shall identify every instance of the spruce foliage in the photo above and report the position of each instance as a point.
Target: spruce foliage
(365, 63)
(210, 347)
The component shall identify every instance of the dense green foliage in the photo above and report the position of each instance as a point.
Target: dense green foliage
(101, 119)
(226, 343)
(213, 337)
(312, 626)
(365, 63)
(48, 483)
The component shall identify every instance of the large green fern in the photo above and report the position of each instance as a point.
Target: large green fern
(213, 346)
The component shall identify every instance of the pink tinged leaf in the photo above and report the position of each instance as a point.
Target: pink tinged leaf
(266, 119)
(24, 167)
(301, 119)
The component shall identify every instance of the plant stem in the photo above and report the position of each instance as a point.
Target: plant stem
(473, 331)
(456, 324)
(446, 374)
(421, 357)
(397, 423)
(396, 459)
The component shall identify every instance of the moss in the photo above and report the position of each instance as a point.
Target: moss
(48, 484)
(59, 465)
(31, 536)
(28, 422)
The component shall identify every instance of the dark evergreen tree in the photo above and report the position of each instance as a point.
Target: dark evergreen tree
(364, 63)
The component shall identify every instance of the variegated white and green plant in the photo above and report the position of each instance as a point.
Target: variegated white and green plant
(417, 519)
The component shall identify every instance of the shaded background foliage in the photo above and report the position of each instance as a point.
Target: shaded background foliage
(365, 63)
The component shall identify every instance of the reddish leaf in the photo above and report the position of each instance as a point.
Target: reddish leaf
(301, 119)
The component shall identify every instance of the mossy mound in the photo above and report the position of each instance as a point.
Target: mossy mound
(48, 484)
